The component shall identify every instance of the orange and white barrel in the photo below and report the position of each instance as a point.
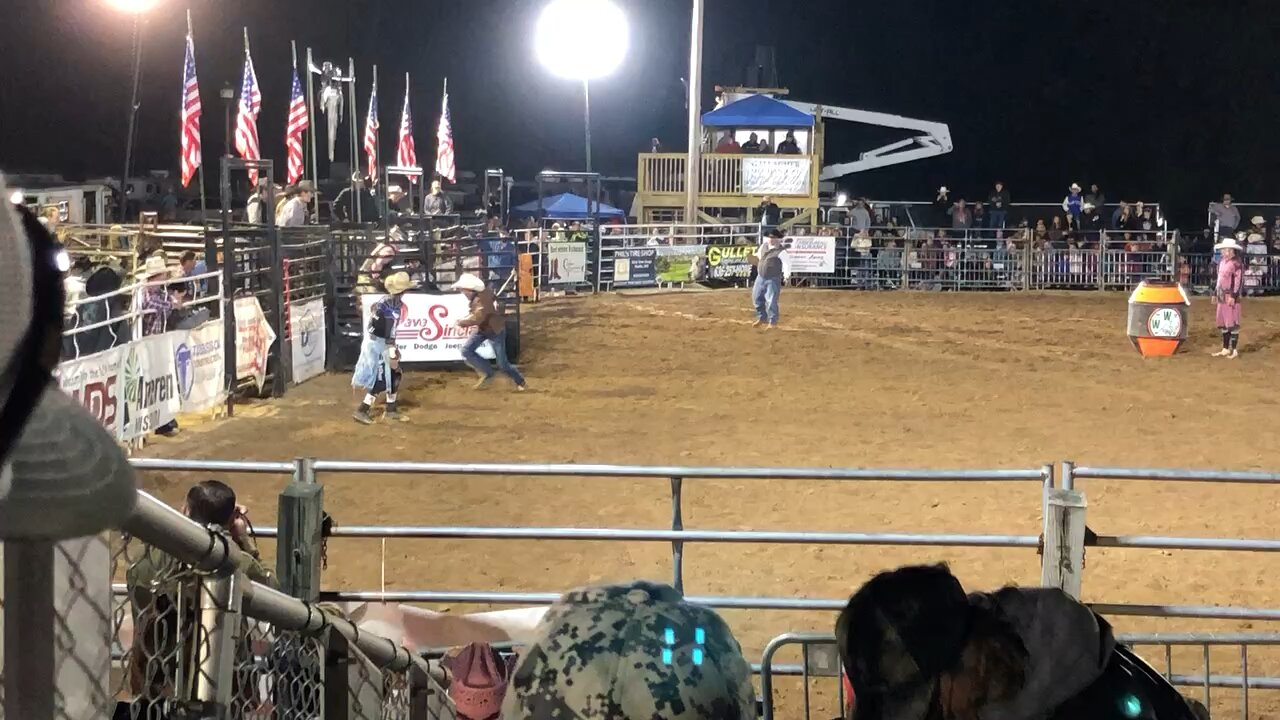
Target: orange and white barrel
(1159, 313)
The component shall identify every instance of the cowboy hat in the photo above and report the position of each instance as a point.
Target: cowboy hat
(155, 265)
(1075, 187)
(775, 233)
(1258, 220)
(1228, 244)
(467, 281)
(304, 186)
(477, 680)
(395, 190)
(397, 283)
(943, 189)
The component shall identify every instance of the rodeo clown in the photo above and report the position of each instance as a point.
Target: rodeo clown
(378, 369)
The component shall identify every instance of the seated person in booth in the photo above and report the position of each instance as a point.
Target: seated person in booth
(378, 369)
(490, 327)
(789, 146)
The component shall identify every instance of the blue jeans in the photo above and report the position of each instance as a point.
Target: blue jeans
(996, 218)
(499, 344)
(765, 296)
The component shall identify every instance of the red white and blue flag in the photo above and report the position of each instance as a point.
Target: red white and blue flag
(406, 155)
(190, 115)
(445, 165)
(247, 117)
(298, 123)
(371, 133)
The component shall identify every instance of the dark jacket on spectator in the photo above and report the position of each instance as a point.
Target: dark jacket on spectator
(999, 200)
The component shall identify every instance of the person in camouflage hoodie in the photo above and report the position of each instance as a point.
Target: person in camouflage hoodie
(630, 652)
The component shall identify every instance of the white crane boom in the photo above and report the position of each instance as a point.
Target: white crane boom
(936, 141)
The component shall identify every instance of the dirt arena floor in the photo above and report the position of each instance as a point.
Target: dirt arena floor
(908, 380)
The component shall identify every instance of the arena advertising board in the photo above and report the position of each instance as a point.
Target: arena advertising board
(150, 385)
(729, 262)
(95, 382)
(428, 330)
(199, 361)
(566, 263)
(675, 263)
(775, 175)
(635, 267)
(254, 337)
(812, 255)
(307, 339)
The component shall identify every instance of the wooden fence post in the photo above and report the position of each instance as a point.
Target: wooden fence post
(1062, 565)
(298, 546)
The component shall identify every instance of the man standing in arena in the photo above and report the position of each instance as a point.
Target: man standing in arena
(378, 369)
(490, 327)
(771, 271)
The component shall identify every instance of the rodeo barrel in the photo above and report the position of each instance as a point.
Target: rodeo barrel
(1158, 318)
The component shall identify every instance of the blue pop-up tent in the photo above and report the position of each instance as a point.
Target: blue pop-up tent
(757, 111)
(567, 206)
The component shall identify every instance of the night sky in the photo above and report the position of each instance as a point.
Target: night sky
(1167, 101)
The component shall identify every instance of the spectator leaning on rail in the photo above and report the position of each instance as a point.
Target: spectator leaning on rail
(378, 368)
(998, 215)
(630, 652)
(1225, 215)
(1073, 205)
(437, 203)
(772, 269)
(160, 308)
(491, 327)
(355, 203)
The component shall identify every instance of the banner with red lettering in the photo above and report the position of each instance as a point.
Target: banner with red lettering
(428, 330)
(254, 337)
(96, 382)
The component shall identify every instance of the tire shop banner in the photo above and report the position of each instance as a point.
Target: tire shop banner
(428, 330)
(151, 397)
(635, 267)
(307, 339)
(97, 383)
(199, 361)
(254, 338)
(675, 264)
(775, 176)
(566, 263)
(729, 262)
(812, 255)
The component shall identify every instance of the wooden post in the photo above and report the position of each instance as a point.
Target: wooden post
(300, 516)
(1062, 565)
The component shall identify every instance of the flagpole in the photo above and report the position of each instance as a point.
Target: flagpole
(436, 172)
(355, 154)
(377, 132)
(311, 136)
(204, 210)
(406, 102)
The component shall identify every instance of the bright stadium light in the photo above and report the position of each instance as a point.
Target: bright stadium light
(133, 6)
(582, 40)
(17, 197)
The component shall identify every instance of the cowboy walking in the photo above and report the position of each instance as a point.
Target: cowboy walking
(490, 327)
(772, 269)
(378, 369)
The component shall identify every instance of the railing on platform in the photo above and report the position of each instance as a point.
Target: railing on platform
(662, 174)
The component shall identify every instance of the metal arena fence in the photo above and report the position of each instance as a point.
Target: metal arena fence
(285, 628)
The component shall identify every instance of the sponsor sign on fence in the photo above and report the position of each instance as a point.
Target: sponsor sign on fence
(635, 267)
(308, 340)
(775, 176)
(428, 330)
(675, 263)
(95, 381)
(199, 360)
(566, 263)
(729, 262)
(150, 385)
(254, 337)
(812, 255)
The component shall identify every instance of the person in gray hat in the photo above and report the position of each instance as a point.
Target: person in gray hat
(630, 652)
(294, 211)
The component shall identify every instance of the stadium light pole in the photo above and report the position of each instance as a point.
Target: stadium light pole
(136, 8)
(582, 40)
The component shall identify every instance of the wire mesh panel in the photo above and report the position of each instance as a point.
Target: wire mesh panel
(278, 675)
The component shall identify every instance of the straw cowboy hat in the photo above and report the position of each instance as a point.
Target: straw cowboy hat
(1075, 187)
(155, 265)
(1258, 220)
(467, 281)
(1228, 244)
(397, 283)
(477, 680)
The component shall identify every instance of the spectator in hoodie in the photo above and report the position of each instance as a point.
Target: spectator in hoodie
(437, 203)
(1095, 200)
(752, 145)
(1225, 215)
(728, 144)
(1073, 205)
(860, 217)
(1123, 217)
(789, 146)
(999, 202)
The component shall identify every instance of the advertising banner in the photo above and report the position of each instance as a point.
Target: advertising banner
(775, 175)
(812, 255)
(308, 339)
(150, 385)
(675, 264)
(729, 262)
(635, 267)
(199, 361)
(428, 330)
(566, 263)
(95, 381)
(254, 337)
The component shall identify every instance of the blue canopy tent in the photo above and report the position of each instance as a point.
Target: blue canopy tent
(567, 206)
(757, 111)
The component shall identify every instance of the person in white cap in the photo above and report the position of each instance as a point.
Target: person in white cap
(1227, 294)
(378, 369)
(490, 327)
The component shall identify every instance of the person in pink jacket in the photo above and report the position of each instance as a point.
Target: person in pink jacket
(1227, 294)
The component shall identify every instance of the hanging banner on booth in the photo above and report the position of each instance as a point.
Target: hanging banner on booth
(254, 338)
(635, 267)
(95, 382)
(566, 263)
(812, 255)
(199, 361)
(675, 264)
(150, 385)
(729, 262)
(307, 340)
(775, 175)
(428, 330)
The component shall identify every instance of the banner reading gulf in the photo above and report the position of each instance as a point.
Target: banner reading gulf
(729, 262)
(428, 330)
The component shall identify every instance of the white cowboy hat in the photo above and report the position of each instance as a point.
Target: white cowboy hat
(394, 189)
(397, 283)
(467, 281)
(1075, 187)
(1258, 220)
(1228, 244)
(155, 265)
(943, 189)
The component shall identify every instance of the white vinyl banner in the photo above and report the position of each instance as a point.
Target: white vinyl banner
(150, 386)
(775, 175)
(812, 255)
(199, 360)
(566, 263)
(307, 339)
(95, 381)
(428, 330)
(254, 337)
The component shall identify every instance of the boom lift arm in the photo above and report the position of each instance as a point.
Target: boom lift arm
(936, 141)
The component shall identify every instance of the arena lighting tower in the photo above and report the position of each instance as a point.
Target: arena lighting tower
(136, 8)
(582, 40)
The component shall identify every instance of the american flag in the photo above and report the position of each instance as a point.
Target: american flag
(298, 122)
(371, 133)
(406, 156)
(247, 117)
(190, 115)
(445, 165)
